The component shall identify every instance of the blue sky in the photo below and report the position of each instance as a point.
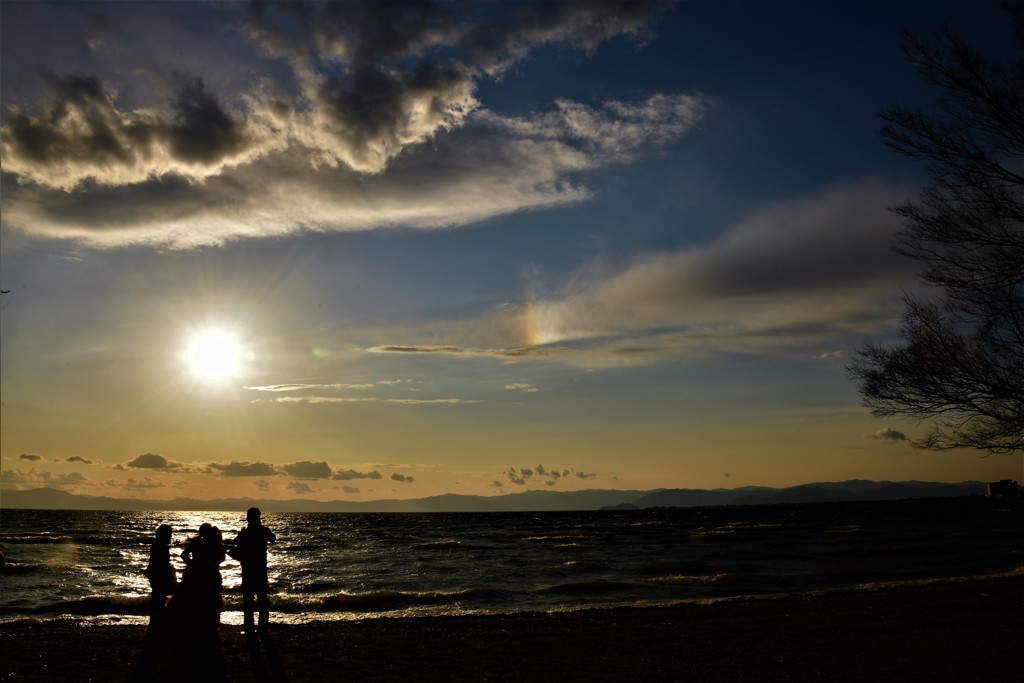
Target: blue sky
(631, 244)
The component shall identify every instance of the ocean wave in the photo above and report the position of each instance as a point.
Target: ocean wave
(89, 605)
(685, 579)
(22, 568)
(452, 545)
(385, 600)
(36, 539)
(585, 565)
(557, 538)
(439, 545)
(591, 588)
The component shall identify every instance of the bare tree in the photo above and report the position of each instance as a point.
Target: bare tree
(960, 365)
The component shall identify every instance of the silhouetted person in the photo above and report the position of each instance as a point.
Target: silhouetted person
(162, 579)
(251, 552)
(198, 600)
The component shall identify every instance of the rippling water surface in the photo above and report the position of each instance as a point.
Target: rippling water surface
(88, 565)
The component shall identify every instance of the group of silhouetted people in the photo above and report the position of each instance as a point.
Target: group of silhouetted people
(193, 605)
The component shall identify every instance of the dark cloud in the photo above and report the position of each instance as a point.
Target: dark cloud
(308, 470)
(202, 132)
(402, 477)
(368, 113)
(79, 124)
(81, 135)
(143, 484)
(152, 461)
(520, 477)
(299, 487)
(245, 469)
(32, 457)
(349, 489)
(890, 435)
(34, 478)
(551, 476)
(486, 38)
(78, 458)
(346, 475)
(350, 85)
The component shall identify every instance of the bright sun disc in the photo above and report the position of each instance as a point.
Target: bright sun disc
(214, 355)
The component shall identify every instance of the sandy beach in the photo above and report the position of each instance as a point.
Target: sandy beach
(958, 631)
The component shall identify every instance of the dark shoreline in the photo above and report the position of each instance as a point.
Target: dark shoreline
(950, 631)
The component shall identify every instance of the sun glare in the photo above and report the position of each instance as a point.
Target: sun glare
(214, 355)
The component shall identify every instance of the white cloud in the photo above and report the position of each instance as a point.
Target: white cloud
(466, 176)
(521, 386)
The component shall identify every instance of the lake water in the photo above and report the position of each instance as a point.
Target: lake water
(88, 565)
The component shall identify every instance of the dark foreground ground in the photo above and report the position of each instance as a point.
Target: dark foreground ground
(959, 631)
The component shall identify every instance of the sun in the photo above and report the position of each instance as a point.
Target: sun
(214, 355)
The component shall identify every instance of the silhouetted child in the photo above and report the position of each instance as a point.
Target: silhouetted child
(250, 549)
(160, 573)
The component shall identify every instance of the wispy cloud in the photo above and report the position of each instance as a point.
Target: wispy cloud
(796, 278)
(318, 400)
(795, 273)
(516, 352)
(307, 387)
(430, 401)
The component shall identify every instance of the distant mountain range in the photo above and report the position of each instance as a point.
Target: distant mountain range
(853, 490)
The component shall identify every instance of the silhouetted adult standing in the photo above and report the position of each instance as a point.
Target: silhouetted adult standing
(251, 552)
(162, 579)
(200, 596)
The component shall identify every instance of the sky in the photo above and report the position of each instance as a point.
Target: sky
(344, 251)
